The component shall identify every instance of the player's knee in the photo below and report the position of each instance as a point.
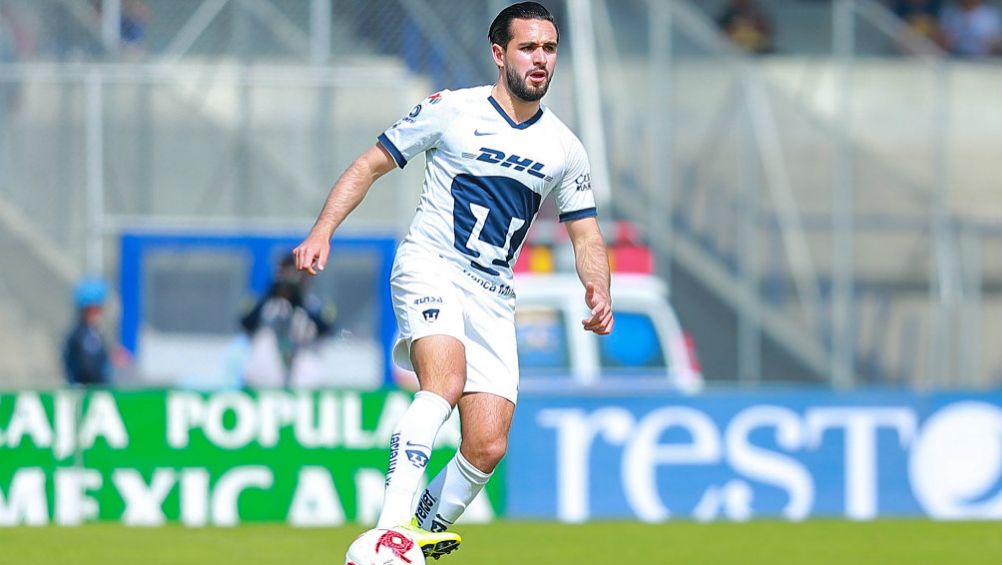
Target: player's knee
(485, 455)
(449, 387)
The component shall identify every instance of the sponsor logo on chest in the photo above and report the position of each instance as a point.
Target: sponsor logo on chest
(511, 161)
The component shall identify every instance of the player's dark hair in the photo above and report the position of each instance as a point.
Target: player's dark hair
(500, 32)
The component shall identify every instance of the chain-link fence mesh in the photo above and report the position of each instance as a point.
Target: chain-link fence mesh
(444, 40)
(810, 192)
(200, 113)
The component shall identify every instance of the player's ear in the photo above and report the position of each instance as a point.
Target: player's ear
(498, 53)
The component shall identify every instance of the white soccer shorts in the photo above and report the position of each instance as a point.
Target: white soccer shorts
(434, 297)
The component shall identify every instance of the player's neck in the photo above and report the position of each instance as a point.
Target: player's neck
(517, 109)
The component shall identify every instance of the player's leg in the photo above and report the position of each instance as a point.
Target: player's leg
(486, 421)
(440, 364)
(429, 315)
(485, 410)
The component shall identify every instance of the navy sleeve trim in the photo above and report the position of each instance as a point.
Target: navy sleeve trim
(578, 214)
(394, 152)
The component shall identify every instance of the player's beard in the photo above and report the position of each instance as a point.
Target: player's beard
(520, 88)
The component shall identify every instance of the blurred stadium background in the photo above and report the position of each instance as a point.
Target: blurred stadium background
(826, 217)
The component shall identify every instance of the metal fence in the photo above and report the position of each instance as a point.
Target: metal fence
(816, 216)
(427, 35)
(813, 196)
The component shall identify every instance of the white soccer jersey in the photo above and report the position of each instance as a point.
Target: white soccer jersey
(485, 177)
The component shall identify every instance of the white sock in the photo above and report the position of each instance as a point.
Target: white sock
(448, 495)
(410, 450)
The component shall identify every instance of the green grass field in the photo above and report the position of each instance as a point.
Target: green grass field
(886, 542)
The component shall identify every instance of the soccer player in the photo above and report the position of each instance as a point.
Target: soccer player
(492, 153)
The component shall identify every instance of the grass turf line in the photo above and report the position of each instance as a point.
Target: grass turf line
(815, 542)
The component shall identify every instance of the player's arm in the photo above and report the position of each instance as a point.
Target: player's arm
(592, 262)
(349, 190)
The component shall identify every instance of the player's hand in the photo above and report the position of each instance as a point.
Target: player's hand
(311, 255)
(601, 319)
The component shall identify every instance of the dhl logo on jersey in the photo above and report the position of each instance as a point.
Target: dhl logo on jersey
(516, 162)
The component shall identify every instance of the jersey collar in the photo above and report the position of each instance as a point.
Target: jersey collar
(512, 123)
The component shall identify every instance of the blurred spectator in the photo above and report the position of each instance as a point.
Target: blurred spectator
(15, 43)
(135, 17)
(747, 25)
(8, 42)
(971, 29)
(85, 352)
(16, 37)
(285, 327)
(921, 17)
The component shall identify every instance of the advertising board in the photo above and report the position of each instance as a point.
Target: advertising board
(308, 458)
(736, 456)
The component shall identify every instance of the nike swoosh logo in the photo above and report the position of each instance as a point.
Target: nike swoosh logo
(412, 444)
(478, 133)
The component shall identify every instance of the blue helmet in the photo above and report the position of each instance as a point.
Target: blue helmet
(90, 292)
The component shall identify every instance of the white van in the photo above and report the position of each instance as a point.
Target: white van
(647, 348)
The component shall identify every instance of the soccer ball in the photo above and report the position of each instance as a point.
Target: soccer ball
(384, 547)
